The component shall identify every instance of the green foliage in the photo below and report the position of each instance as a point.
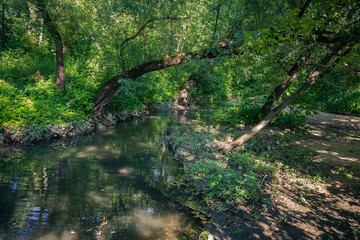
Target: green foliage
(248, 113)
(294, 119)
(28, 96)
(345, 102)
(103, 39)
(248, 161)
(225, 184)
(236, 179)
(211, 87)
(236, 115)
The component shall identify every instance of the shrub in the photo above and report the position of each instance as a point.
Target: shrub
(346, 102)
(293, 119)
(225, 184)
(236, 115)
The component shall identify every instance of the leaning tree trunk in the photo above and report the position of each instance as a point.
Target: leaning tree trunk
(108, 90)
(274, 97)
(319, 72)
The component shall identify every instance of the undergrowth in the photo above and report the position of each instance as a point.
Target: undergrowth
(27, 90)
(239, 177)
(248, 113)
(29, 101)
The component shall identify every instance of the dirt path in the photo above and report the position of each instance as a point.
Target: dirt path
(345, 122)
(335, 138)
(327, 210)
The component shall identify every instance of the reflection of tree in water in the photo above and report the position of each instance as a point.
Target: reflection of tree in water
(109, 188)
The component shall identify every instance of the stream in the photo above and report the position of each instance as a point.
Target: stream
(114, 184)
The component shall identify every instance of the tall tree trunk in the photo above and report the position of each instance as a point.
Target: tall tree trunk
(216, 24)
(31, 17)
(60, 71)
(3, 40)
(41, 32)
(319, 72)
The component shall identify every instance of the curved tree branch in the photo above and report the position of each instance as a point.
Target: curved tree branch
(108, 90)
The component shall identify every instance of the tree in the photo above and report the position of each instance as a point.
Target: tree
(49, 22)
(3, 37)
(331, 39)
(108, 90)
(339, 43)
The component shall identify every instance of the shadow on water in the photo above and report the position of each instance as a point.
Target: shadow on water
(109, 185)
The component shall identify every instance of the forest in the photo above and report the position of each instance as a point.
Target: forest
(266, 94)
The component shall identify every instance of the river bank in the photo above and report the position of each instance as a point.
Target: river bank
(280, 185)
(34, 134)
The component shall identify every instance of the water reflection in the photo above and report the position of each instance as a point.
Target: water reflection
(109, 187)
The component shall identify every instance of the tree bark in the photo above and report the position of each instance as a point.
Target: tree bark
(3, 25)
(274, 97)
(31, 17)
(272, 100)
(60, 70)
(319, 72)
(41, 32)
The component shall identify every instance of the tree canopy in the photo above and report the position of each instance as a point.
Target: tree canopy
(118, 52)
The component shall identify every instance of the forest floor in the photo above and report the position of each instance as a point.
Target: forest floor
(330, 210)
(316, 199)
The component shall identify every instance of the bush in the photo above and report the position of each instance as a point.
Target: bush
(249, 114)
(225, 184)
(28, 96)
(236, 115)
(293, 119)
(347, 102)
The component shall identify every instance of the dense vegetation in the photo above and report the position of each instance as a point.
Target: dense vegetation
(57, 57)
(71, 66)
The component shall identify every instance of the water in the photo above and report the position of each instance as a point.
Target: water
(111, 185)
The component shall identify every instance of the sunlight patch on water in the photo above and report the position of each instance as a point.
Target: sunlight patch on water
(126, 171)
(157, 227)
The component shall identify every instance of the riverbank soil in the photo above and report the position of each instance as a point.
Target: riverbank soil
(330, 210)
(315, 196)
